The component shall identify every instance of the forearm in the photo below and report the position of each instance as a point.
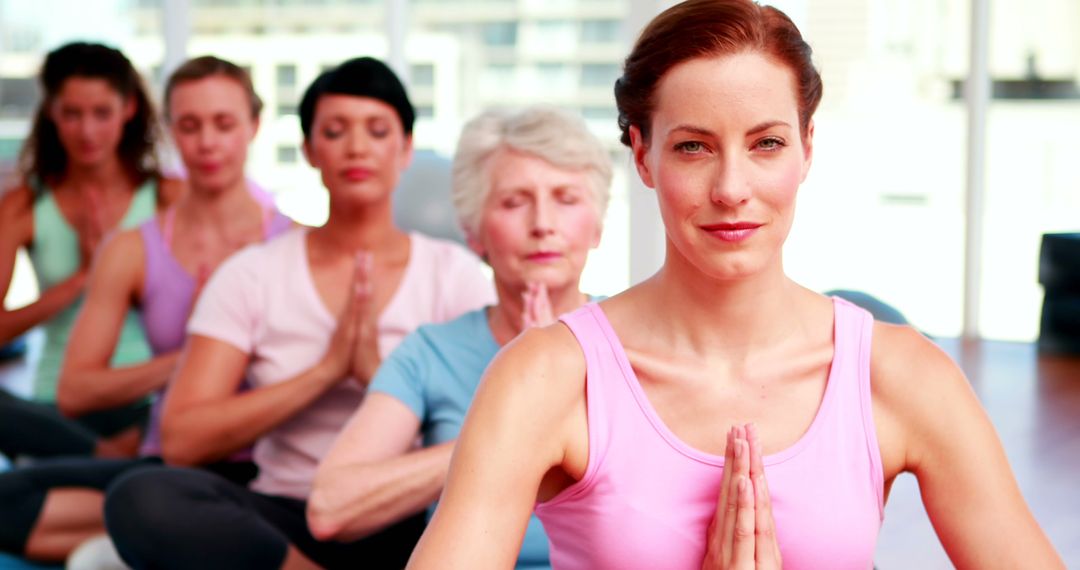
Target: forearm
(349, 502)
(88, 389)
(51, 302)
(202, 432)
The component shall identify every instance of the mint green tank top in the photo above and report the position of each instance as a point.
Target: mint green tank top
(54, 254)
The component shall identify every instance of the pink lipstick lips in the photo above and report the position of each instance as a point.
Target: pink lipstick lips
(356, 174)
(543, 256)
(732, 232)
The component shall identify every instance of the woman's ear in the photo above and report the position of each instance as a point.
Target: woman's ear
(474, 244)
(640, 149)
(407, 157)
(255, 123)
(808, 149)
(131, 106)
(305, 148)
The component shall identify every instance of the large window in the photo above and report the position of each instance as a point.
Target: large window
(1032, 182)
(882, 209)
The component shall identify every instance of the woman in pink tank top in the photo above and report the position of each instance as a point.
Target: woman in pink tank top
(630, 426)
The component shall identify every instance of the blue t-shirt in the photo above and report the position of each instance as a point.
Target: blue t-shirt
(435, 372)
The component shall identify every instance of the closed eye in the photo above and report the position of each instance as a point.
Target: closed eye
(567, 196)
(513, 201)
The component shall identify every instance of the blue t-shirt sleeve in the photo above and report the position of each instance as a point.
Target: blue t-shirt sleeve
(404, 373)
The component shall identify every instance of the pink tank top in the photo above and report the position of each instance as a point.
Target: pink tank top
(647, 498)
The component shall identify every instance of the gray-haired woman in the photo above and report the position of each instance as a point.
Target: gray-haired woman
(530, 189)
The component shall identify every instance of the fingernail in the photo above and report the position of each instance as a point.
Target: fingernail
(738, 449)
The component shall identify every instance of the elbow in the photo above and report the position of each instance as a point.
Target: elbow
(178, 455)
(179, 449)
(323, 520)
(330, 518)
(71, 402)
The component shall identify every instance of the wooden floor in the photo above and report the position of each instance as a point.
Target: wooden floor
(1034, 402)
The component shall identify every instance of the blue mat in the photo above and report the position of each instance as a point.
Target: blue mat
(9, 562)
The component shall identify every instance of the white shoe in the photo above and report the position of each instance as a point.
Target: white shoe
(97, 553)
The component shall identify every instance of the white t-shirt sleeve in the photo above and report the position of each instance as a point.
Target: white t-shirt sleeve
(228, 308)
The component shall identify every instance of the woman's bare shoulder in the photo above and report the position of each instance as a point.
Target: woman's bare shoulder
(16, 199)
(121, 262)
(17, 212)
(915, 383)
(902, 360)
(542, 360)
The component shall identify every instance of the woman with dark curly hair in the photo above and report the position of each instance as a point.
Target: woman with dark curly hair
(88, 167)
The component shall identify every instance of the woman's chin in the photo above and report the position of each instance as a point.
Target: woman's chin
(358, 196)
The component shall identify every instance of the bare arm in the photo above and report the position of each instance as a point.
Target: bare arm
(205, 419)
(17, 230)
(370, 479)
(521, 425)
(950, 445)
(87, 381)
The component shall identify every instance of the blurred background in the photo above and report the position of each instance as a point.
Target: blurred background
(882, 211)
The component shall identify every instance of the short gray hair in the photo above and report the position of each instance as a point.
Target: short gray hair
(556, 136)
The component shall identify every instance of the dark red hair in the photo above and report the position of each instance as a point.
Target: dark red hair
(709, 28)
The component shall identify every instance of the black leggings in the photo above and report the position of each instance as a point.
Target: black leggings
(168, 518)
(38, 430)
(23, 490)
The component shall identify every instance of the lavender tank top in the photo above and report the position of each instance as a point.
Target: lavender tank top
(647, 497)
(167, 297)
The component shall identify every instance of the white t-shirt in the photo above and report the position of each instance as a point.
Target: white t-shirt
(263, 301)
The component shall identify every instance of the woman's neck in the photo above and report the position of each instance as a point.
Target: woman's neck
(349, 230)
(218, 207)
(738, 315)
(106, 175)
(507, 316)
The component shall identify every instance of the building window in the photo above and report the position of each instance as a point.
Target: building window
(599, 31)
(288, 154)
(286, 76)
(599, 74)
(422, 75)
(501, 34)
(599, 113)
(554, 72)
(19, 97)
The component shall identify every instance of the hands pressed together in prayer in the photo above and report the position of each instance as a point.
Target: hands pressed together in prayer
(742, 535)
(536, 306)
(354, 348)
(91, 226)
